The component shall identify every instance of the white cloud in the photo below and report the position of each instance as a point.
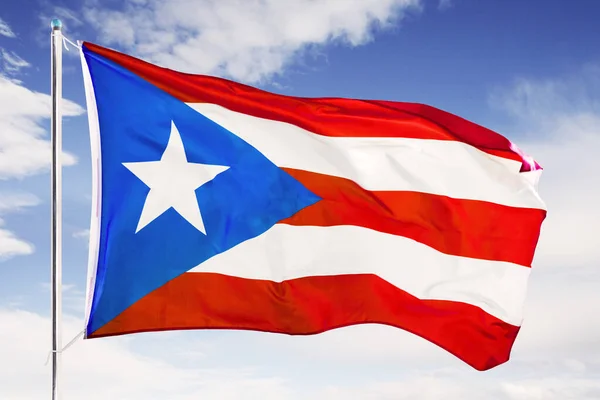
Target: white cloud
(445, 4)
(11, 62)
(66, 287)
(245, 40)
(101, 369)
(5, 29)
(570, 185)
(82, 234)
(17, 201)
(551, 382)
(24, 148)
(10, 244)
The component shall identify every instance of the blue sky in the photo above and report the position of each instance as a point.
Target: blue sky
(529, 69)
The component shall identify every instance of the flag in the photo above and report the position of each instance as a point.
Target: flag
(217, 205)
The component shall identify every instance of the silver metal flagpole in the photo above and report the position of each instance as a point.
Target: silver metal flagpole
(56, 205)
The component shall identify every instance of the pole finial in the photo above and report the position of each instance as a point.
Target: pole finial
(56, 24)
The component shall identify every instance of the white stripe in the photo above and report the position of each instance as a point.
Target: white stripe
(286, 252)
(448, 168)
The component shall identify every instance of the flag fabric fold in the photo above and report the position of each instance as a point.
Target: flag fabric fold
(221, 206)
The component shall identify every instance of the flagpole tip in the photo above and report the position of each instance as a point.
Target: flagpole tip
(56, 24)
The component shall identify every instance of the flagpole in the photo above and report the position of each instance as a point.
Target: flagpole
(56, 205)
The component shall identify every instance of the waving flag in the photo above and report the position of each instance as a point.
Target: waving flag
(218, 205)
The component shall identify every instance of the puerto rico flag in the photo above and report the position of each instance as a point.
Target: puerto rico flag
(219, 205)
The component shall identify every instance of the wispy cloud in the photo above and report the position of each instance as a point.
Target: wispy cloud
(245, 40)
(82, 234)
(10, 244)
(67, 16)
(445, 4)
(66, 287)
(11, 62)
(555, 381)
(25, 151)
(17, 201)
(5, 29)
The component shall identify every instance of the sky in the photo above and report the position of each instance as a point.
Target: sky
(527, 69)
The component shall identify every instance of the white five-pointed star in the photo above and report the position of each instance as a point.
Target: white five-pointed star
(173, 182)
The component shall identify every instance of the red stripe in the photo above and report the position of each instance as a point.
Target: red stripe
(459, 227)
(324, 116)
(313, 305)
